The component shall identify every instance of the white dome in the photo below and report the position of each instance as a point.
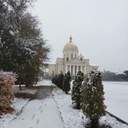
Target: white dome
(70, 46)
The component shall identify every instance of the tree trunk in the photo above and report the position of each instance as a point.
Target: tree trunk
(95, 123)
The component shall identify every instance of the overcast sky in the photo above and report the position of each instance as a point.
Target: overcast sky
(99, 28)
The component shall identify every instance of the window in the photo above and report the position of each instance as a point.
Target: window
(71, 56)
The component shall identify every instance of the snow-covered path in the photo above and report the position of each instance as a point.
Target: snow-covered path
(41, 113)
(38, 114)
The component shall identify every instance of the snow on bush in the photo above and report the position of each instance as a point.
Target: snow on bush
(7, 80)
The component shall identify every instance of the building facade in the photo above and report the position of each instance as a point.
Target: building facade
(72, 61)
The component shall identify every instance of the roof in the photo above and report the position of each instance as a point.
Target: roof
(70, 46)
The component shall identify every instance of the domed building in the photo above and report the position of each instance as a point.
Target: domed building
(72, 61)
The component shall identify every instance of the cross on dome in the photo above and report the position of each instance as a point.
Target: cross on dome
(70, 39)
(70, 46)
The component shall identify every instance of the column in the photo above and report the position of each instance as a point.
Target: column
(66, 68)
(70, 68)
(80, 68)
(73, 70)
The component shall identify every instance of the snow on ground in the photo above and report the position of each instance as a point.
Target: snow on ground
(108, 120)
(74, 118)
(116, 98)
(37, 114)
(45, 83)
(17, 104)
(56, 111)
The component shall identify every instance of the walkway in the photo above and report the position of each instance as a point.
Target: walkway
(39, 113)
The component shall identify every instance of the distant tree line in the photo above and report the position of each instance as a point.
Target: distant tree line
(111, 76)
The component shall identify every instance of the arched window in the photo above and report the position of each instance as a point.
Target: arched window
(81, 59)
(67, 59)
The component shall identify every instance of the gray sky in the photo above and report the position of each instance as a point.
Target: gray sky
(98, 27)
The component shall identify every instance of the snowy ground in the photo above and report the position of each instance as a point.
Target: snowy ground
(116, 94)
(18, 104)
(74, 118)
(37, 114)
(45, 83)
(116, 98)
(55, 111)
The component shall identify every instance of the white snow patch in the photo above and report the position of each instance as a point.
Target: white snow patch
(45, 83)
(11, 32)
(74, 118)
(112, 122)
(44, 113)
(17, 104)
(116, 98)
(37, 114)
